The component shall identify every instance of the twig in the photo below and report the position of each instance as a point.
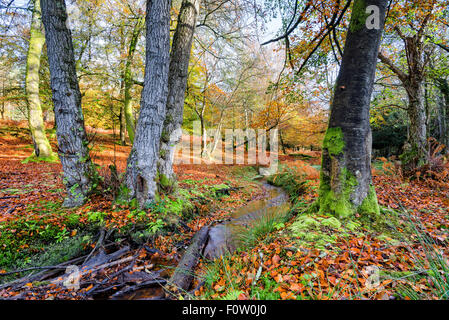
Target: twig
(98, 244)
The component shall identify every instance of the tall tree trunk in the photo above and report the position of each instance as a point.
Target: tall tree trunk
(177, 82)
(141, 172)
(282, 143)
(128, 79)
(346, 183)
(70, 130)
(416, 155)
(42, 147)
(416, 150)
(443, 86)
(122, 120)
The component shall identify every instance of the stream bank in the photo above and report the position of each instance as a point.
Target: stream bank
(212, 242)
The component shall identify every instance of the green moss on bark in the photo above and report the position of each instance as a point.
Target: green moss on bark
(337, 203)
(370, 205)
(359, 16)
(333, 141)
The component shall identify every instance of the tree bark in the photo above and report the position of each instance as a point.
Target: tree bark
(346, 183)
(417, 153)
(70, 130)
(416, 150)
(129, 81)
(141, 172)
(122, 120)
(443, 86)
(42, 147)
(177, 82)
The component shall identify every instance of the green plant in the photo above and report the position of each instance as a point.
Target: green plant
(432, 261)
(96, 217)
(294, 184)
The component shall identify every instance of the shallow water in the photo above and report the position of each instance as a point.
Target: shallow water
(226, 237)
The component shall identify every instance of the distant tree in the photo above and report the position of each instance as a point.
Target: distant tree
(413, 21)
(128, 80)
(42, 148)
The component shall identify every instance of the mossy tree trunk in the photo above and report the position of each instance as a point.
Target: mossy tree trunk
(129, 81)
(346, 183)
(141, 171)
(42, 147)
(70, 131)
(177, 82)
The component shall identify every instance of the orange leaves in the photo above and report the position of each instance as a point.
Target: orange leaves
(220, 285)
(275, 260)
(297, 287)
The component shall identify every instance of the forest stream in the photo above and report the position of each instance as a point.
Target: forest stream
(226, 237)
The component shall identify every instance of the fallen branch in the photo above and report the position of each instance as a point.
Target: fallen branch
(183, 275)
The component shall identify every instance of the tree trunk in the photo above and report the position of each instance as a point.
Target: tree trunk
(42, 147)
(179, 64)
(415, 153)
(346, 184)
(282, 143)
(142, 163)
(122, 120)
(416, 149)
(129, 81)
(443, 86)
(70, 131)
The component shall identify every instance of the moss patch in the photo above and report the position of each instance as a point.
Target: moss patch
(333, 141)
(359, 16)
(51, 159)
(319, 231)
(337, 204)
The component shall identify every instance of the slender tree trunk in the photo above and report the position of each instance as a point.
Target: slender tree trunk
(129, 81)
(282, 143)
(141, 172)
(417, 154)
(70, 131)
(416, 150)
(122, 120)
(346, 183)
(414, 85)
(42, 147)
(443, 86)
(177, 82)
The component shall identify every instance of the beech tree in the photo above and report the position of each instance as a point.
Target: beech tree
(141, 171)
(128, 80)
(177, 82)
(42, 148)
(414, 34)
(70, 131)
(345, 181)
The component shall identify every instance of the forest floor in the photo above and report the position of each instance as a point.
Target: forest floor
(305, 256)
